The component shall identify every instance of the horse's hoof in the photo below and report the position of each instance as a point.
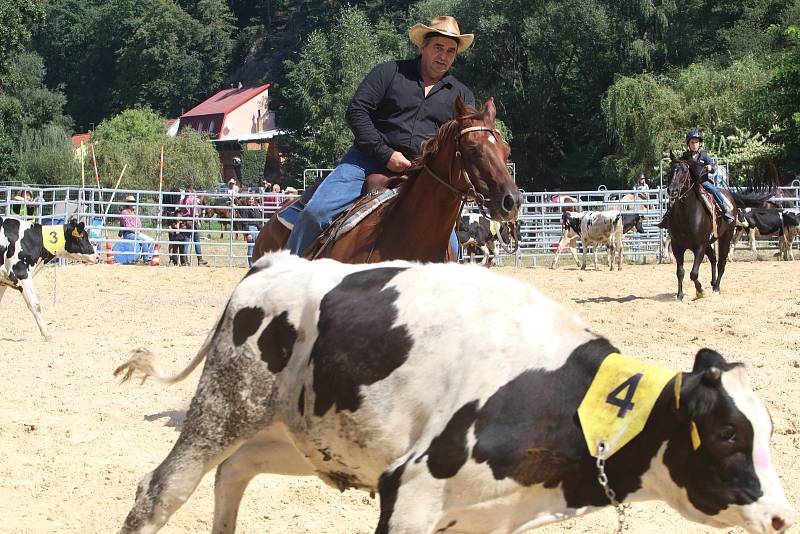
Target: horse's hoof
(699, 295)
(679, 297)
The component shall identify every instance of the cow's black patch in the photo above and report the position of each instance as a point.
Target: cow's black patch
(245, 323)
(448, 451)
(529, 431)
(301, 401)
(388, 487)
(277, 341)
(357, 343)
(10, 229)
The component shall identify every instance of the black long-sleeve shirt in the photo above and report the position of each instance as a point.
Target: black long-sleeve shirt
(700, 160)
(390, 111)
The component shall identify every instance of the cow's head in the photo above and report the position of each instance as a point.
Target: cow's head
(76, 243)
(720, 458)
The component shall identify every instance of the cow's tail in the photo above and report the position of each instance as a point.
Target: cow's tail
(146, 363)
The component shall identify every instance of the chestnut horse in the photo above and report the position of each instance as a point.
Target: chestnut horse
(690, 225)
(465, 160)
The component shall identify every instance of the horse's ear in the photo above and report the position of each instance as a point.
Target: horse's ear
(459, 109)
(671, 155)
(489, 111)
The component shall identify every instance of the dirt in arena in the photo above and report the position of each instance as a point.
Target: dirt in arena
(74, 444)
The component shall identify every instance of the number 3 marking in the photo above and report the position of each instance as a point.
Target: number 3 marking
(53, 238)
(625, 405)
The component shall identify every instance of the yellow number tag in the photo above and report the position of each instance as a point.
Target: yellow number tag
(53, 238)
(619, 401)
(494, 227)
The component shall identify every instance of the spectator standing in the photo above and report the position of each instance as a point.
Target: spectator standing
(131, 229)
(177, 238)
(273, 200)
(192, 225)
(250, 218)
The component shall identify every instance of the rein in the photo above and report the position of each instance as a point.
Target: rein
(470, 193)
(688, 187)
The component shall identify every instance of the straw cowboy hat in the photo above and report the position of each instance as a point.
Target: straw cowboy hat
(130, 198)
(447, 26)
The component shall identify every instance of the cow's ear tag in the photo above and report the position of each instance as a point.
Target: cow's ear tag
(493, 227)
(53, 238)
(619, 401)
(75, 233)
(695, 435)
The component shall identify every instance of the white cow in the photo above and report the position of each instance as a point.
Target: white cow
(593, 228)
(464, 419)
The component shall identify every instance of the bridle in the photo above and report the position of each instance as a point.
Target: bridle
(686, 185)
(469, 194)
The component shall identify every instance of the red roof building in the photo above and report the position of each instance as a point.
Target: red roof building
(231, 114)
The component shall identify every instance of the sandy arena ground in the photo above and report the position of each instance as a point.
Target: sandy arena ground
(73, 443)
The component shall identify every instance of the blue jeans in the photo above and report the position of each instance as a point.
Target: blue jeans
(144, 244)
(193, 236)
(714, 190)
(339, 190)
(251, 236)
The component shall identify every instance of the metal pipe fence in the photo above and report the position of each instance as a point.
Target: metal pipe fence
(222, 234)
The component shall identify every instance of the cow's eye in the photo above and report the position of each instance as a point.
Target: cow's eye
(728, 434)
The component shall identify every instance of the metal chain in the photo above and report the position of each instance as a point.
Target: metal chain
(602, 478)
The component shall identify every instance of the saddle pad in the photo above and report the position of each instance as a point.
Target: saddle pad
(359, 212)
(350, 219)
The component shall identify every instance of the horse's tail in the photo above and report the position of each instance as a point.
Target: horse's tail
(752, 198)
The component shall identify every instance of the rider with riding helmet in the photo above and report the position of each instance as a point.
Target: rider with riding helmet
(698, 157)
(397, 106)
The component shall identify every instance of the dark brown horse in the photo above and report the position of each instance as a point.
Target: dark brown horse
(690, 225)
(465, 160)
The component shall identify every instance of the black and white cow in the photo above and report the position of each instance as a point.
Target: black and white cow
(478, 234)
(364, 376)
(763, 222)
(25, 247)
(593, 228)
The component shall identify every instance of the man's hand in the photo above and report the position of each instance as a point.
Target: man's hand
(397, 162)
(709, 168)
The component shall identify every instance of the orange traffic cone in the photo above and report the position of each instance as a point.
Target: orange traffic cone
(109, 254)
(156, 259)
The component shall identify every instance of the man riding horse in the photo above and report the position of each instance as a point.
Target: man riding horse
(697, 156)
(397, 106)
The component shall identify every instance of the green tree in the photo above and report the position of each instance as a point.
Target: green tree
(46, 157)
(190, 160)
(784, 91)
(17, 17)
(172, 60)
(321, 83)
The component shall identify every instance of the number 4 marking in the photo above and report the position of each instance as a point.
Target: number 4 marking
(625, 405)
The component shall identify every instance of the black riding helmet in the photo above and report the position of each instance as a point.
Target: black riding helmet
(641, 176)
(691, 134)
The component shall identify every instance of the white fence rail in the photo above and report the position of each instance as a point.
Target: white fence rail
(222, 234)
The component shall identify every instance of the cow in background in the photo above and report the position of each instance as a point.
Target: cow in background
(318, 368)
(760, 222)
(25, 247)
(478, 234)
(593, 228)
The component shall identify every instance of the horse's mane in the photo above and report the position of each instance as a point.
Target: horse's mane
(431, 145)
